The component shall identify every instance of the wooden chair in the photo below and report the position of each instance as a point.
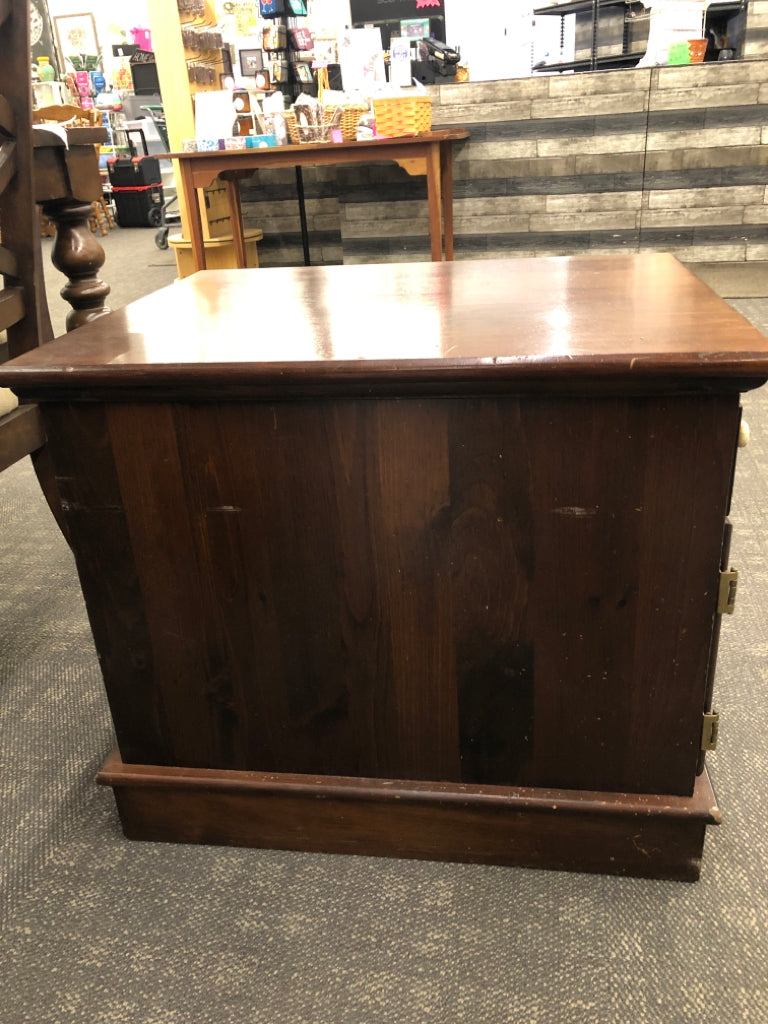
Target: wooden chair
(63, 113)
(72, 115)
(24, 313)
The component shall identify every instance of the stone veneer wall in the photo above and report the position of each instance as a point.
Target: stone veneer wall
(664, 158)
(756, 42)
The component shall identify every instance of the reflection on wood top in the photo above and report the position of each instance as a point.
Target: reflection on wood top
(583, 317)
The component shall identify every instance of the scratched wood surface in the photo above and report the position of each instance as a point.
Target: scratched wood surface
(517, 591)
(630, 322)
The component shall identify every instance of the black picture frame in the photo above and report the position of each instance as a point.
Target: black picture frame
(303, 73)
(251, 61)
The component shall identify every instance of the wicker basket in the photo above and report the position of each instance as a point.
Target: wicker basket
(402, 115)
(349, 120)
(300, 135)
(290, 124)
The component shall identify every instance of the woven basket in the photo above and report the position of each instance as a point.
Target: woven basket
(307, 135)
(349, 120)
(402, 115)
(290, 124)
(302, 135)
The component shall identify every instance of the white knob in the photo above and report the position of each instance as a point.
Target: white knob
(743, 434)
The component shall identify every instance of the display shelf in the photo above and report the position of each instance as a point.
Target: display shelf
(596, 26)
(619, 60)
(595, 32)
(578, 6)
(168, 24)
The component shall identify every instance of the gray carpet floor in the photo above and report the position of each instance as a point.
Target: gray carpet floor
(97, 929)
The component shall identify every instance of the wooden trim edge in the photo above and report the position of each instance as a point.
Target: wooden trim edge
(626, 834)
(700, 806)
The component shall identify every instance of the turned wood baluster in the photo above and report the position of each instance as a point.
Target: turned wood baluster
(79, 256)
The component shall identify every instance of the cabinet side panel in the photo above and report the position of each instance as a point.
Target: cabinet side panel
(92, 502)
(327, 597)
(630, 510)
(488, 590)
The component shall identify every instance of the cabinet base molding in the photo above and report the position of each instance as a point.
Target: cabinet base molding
(643, 835)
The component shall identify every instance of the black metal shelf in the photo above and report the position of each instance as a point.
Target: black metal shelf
(580, 6)
(619, 60)
(631, 39)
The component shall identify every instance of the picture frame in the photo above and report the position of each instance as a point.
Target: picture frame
(262, 81)
(301, 39)
(251, 61)
(271, 8)
(303, 73)
(76, 34)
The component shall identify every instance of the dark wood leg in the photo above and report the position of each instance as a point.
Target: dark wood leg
(79, 256)
(236, 216)
(303, 216)
(446, 185)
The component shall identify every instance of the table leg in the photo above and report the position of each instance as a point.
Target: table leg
(79, 256)
(195, 220)
(302, 215)
(236, 217)
(446, 182)
(435, 202)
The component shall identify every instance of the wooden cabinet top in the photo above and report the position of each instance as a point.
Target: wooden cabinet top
(608, 322)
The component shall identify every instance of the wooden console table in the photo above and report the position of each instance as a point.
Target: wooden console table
(432, 573)
(429, 154)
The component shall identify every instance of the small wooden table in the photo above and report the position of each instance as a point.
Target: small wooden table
(432, 574)
(427, 154)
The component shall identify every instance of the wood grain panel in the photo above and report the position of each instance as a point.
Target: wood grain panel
(281, 507)
(11, 307)
(154, 503)
(22, 432)
(409, 494)
(688, 479)
(7, 118)
(7, 162)
(92, 500)
(330, 628)
(627, 548)
(492, 560)
(587, 493)
(490, 591)
(8, 262)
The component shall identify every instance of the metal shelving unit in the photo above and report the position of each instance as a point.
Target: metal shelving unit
(635, 13)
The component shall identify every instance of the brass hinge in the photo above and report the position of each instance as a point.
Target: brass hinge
(726, 594)
(709, 730)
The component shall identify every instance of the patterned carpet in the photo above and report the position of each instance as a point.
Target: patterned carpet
(97, 929)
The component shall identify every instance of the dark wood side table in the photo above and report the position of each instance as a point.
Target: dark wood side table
(429, 154)
(431, 573)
